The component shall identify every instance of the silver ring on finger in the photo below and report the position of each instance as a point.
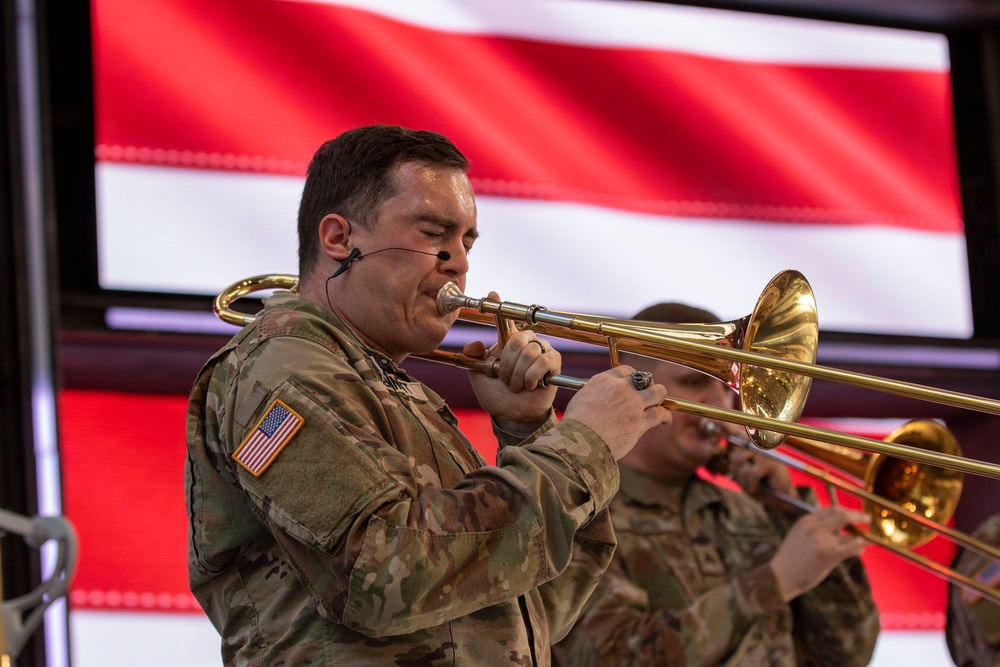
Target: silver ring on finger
(539, 344)
(641, 380)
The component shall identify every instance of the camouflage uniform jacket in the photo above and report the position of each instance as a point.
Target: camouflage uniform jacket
(376, 535)
(973, 622)
(690, 585)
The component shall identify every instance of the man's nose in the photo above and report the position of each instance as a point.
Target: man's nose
(458, 262)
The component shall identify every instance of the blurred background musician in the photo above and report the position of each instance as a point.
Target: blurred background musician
(705, 575)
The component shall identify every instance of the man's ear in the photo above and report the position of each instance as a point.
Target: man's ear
(335, 236)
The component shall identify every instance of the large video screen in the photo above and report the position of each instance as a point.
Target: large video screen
(623, 153)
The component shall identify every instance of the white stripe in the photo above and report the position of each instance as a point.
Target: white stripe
(145, 244)
(563, 256)
(591, 260)
(710, 32)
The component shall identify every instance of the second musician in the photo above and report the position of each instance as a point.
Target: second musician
(707, 576)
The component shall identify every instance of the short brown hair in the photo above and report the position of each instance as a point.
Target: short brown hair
(352, 175)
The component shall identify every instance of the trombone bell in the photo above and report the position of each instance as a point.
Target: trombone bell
(919, 499)
(926, 490)
(783, 324)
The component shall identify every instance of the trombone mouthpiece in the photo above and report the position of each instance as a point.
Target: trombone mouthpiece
(450, 298)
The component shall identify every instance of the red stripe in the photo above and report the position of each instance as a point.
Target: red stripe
(258, 85)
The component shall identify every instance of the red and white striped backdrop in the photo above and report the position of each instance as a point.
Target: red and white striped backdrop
(623, 152)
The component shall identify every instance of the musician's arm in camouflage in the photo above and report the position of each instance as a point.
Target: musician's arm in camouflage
(593, 547)
(565, 596)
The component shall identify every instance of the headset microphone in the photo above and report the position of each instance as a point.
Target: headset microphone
(345, 263)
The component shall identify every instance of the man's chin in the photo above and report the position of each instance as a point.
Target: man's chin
(430, 341)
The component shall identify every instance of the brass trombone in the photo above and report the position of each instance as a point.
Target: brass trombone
(908, 504)
(767, 356)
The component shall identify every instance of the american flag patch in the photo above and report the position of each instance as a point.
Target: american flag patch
(989, 576)
(268, 438)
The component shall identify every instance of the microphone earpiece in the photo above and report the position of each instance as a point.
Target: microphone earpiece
(346, 262)
(444, 255)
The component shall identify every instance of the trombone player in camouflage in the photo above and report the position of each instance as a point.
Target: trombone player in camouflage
(338, 516)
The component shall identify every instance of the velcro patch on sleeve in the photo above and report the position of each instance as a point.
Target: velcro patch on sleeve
(263, 444)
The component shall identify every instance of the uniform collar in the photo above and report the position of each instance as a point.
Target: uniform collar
(643, 488)
(348, 338)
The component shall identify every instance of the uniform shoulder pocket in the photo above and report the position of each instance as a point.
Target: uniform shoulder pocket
(322, 476)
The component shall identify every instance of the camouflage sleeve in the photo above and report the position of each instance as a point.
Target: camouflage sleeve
(563, 597)
(619, 627)
(506, 439)
(388, 554)
(836, 623)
